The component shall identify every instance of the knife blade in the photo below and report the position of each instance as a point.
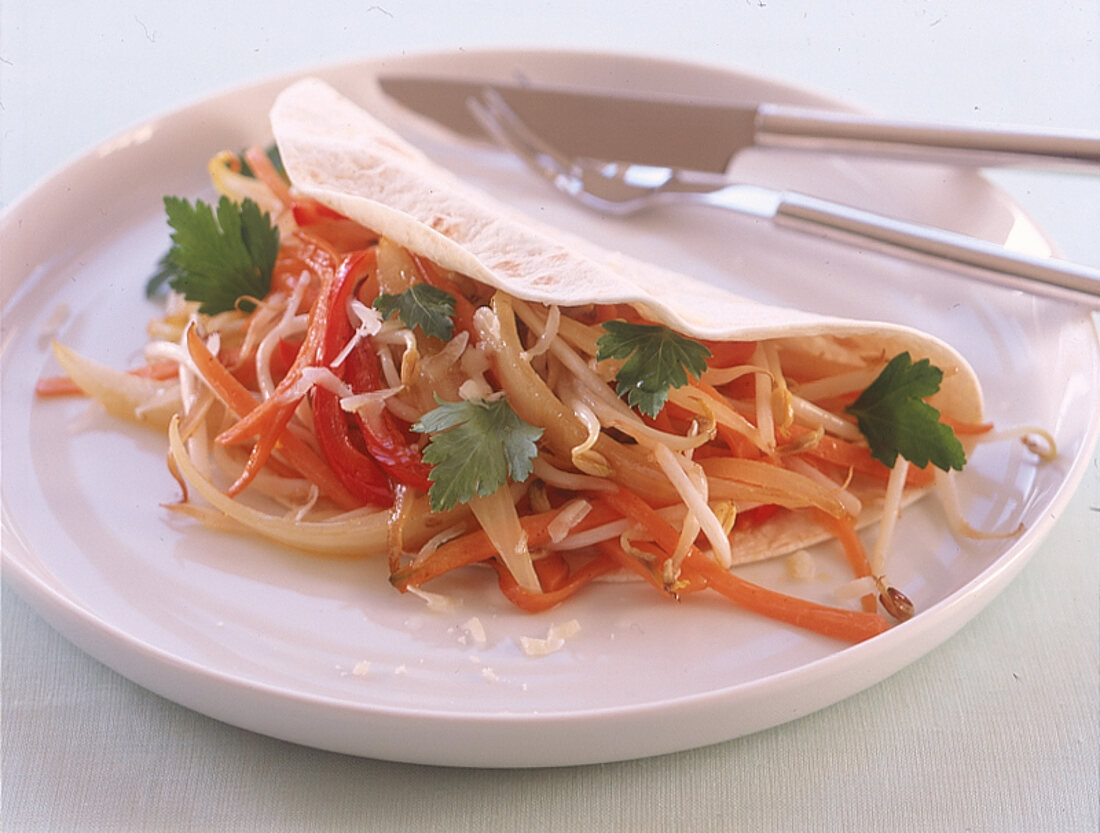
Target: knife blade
(694, 133)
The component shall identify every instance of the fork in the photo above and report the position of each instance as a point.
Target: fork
(624, 188)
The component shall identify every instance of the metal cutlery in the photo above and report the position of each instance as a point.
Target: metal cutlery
(702, 134)
(626, 187)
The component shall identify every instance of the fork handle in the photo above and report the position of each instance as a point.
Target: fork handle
(1014, 269)
(780, 125)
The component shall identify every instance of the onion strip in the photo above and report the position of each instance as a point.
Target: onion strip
(363, 536)
(498, 517)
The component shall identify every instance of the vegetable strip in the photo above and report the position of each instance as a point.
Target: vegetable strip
(240, 401)
(838, 623)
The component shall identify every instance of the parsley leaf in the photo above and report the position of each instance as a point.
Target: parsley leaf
(656, 359)
(421, 305)
(218, 259)
(895, 419)
(475, 446)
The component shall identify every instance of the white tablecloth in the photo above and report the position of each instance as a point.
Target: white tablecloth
(997, 730)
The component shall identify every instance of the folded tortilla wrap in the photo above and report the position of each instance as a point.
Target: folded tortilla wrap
(343, 157)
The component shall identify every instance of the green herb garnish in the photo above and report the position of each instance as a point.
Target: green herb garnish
(656, 359)
(224, 260)
(475, 446)
(421, 305)
(895, 419)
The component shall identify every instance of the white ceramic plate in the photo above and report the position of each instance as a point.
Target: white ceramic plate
(326, 653)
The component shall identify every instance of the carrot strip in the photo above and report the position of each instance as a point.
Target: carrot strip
(849, 625)
(56, 386)
(476, 546)
(613, 549)
(553, 571)
(845, 532)
(729, 353)
(267, 412)
(838, 623)
(539, 602)
(261, 452)
(240, 401)
(849, 455)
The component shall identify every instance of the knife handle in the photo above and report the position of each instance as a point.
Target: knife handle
(783, 126)
(939, 246)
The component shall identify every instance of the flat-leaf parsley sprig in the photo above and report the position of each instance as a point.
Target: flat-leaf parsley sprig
(657, 359)
(219, 259)
(895, 419)
(421, 305)
(475, 446)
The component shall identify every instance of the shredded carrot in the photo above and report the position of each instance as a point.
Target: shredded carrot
(475, 546)
(845, 531)
(835, 622)
(858, 457)
(729, 353)
(538, 602)
(269, 412)
(56, 386)
(240, 401)
(839, 623)
(269, 439)
(552, 570)
(738, 444)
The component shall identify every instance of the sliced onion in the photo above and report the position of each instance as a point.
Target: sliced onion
(572, 481)
(124, 395)
(361, 535)
(852, 505)
(546, 337)
(498, 517)
(568, 517)
(755, 480)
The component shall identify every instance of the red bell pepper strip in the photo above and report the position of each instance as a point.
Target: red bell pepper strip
(357, 471)
(382, 438)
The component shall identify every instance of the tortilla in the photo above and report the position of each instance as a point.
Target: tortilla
(340, 155)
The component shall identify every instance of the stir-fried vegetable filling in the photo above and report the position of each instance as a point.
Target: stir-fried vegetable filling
(388, 405)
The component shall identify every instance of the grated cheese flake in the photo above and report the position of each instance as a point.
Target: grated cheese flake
(437, 602)
(801, 566)
(475, 630)
(554, 641)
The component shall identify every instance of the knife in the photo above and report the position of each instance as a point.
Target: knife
(702, 135)
(613, 127)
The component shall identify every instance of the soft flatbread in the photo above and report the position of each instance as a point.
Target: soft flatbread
(346, 159)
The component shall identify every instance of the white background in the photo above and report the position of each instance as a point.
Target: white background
(1009, 743)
